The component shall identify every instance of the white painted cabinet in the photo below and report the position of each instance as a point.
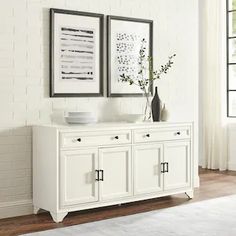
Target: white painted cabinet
(78, 173)
(159, 167)
(148, 176)
(84, 167)
(177, 165)
(90, 174)
(115, 165)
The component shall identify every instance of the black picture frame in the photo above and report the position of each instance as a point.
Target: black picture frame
(100, 17)
(128, 19)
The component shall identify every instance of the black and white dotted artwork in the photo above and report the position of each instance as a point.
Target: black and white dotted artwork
(127, 49)
(129, 39)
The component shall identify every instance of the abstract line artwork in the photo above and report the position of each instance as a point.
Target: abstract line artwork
(77, 53)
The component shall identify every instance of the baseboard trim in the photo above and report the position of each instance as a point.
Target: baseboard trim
(25, 207)
(232, 166)
(16, 208)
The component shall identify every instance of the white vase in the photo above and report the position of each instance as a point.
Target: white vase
(148, 109)
(164, 113)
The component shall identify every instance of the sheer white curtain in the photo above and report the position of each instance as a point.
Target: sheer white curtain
(213, 84)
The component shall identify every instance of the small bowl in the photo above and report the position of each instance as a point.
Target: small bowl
(133, 118)
(76, 120)
(79, 114)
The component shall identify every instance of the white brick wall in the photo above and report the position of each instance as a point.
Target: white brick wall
(24, 77)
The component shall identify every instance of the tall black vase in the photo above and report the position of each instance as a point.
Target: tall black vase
(156, 107)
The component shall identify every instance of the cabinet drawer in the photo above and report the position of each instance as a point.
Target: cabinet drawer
(160, 134)
(80, 139)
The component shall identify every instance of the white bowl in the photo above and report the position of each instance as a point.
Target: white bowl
(78, 120)
(133, 118)
(80, 114)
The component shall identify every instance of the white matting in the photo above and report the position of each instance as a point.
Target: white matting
(215, 217)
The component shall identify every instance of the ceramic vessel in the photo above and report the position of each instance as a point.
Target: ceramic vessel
(164, 113)
(156, 106)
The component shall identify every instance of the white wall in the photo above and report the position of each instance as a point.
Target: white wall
(24, 76)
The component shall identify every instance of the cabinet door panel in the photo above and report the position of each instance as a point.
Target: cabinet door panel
(147, 169)
(77, 175)
(177, 155)
(116, 166)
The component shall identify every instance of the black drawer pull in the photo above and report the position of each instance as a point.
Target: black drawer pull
(102, 175)
(116, 137)
(167, 167)
(79, 139)
(177, 133)
(148, 135)
(163, 167)
(97, 175)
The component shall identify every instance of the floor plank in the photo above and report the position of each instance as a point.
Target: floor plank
(213, 184)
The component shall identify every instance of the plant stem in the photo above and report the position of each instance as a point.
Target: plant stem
(147, 116)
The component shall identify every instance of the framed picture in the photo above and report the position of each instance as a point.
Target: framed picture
(124, 40)
(76, 46)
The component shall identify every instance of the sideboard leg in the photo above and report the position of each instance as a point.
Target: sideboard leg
(189, 194)
(58, 217)
(36, 210)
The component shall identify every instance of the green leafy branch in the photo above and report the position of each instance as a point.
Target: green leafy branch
(140, 79)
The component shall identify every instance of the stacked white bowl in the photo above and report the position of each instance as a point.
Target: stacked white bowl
(76, 117)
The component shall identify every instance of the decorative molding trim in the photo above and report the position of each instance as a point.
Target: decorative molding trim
(15, 203)
(16, 208)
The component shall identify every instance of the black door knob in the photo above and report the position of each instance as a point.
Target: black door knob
(79, 139)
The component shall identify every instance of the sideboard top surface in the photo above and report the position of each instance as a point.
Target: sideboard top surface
(116, 125)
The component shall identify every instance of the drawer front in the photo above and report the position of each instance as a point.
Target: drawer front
(160, 134)
(101, 138)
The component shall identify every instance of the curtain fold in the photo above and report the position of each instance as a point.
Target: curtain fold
(214, 129)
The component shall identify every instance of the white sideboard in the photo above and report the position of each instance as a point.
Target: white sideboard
(89, 166)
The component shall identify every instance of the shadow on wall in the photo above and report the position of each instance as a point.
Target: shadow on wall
(57, 116)
(108, 110)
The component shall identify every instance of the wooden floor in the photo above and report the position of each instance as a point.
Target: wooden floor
(213, 184)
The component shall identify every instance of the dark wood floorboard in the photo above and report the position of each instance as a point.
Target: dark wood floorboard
(213, 184)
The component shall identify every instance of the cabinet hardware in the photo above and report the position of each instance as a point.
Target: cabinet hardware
(79, 139)
(162, 167)
(102, 175)
(177, 133)
(166, 167)
(148, 135)
(116, 137)
(97, 175)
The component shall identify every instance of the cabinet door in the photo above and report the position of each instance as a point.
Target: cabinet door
(78, 177)
(115, 172)
(177, 159)
(147, 169)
